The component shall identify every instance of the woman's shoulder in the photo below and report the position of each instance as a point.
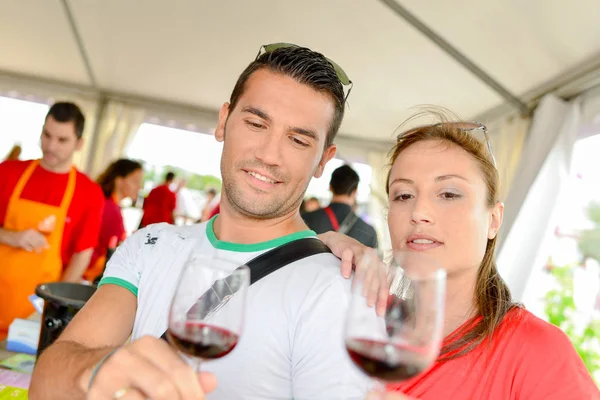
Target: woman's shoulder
(537, 334)
(546, 364)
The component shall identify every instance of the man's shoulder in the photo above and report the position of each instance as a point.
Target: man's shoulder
(163, 234)
(323, 269)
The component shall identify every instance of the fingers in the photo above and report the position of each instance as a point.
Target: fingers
(163, 357)
(150, 368)
(208, 382)
(130, 394)
(384, 292)
(32, 240)
(372, 273)
(347, 262)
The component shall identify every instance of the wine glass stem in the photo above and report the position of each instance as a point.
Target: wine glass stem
(198, 364)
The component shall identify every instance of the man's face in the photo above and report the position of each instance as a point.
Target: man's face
(274, 144)
(59, 142)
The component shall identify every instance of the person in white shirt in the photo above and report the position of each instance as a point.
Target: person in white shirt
(278, 130)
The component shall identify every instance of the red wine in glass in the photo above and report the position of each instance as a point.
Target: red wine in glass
(203, 340)
(385, 361)
(406, 340)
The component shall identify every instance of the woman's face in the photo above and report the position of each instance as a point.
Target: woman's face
(438, 206)
(130, 185)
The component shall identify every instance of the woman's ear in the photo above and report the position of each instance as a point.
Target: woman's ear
(496, 219)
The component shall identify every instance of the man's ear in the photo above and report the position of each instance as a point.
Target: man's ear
(328, 154)
(223, 115)
(496, 219)
(79, 145)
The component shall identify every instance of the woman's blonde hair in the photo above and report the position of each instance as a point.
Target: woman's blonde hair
(492, 296)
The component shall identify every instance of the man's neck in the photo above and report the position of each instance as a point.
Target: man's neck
(232, 226)
(59, 169)
(342, 198)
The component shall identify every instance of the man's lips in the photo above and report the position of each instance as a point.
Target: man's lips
(261, 176)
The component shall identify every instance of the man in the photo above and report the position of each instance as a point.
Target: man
(159, 205)
(338, 216)
(49, 215)
(278, 131)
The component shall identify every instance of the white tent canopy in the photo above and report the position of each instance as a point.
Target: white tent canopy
(188, 53)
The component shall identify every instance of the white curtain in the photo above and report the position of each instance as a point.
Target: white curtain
(532, 197)
(119, 123)
(508, 136)
(378, 203)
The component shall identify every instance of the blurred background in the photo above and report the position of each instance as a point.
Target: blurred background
(151, 75)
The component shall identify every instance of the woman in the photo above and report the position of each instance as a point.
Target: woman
(122, 179)
(443, 201)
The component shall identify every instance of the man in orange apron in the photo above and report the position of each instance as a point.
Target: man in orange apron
(38, 202)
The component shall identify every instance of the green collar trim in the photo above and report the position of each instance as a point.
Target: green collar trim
(245, 248)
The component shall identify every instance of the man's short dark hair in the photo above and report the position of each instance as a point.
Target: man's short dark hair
(68, 112)
(344, 180)
(169, 176)
(305, 66)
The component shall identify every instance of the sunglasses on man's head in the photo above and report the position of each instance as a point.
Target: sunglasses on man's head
(467, 127)
(341, 74)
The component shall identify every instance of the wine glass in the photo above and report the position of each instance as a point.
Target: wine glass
(207, 311)
(406, 340)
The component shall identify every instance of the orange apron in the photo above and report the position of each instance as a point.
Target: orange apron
(21, 271)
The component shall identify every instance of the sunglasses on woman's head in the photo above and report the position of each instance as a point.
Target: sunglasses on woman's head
(467, 127)
(341, 74)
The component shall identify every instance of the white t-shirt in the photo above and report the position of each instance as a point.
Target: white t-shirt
(292, 343)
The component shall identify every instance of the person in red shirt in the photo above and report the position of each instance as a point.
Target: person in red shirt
(120, 180)
(160, 203)
(49, 215)
(443, 201)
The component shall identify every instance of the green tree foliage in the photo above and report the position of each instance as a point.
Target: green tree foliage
(560, 306)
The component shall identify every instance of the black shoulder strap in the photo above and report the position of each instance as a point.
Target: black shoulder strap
(279, 257)
(283, 255)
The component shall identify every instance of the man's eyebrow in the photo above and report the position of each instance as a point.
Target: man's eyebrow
(305, 132)
(259, 113)
(301, 131)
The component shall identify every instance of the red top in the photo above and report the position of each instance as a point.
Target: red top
(112, 226)
(215, 211)
(85, 210)
(527, 358)
(159, 206)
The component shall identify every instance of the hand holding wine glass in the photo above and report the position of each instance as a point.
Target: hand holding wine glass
(207, 312)
(406, 340)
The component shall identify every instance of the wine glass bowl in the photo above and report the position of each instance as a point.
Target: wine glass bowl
(406, 340)
(207, 311)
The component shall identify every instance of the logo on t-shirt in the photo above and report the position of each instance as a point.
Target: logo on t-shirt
(151, 240)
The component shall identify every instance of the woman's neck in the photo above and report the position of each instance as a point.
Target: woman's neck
(460, 301)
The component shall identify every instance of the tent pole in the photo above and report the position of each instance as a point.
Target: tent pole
(80, 45)
(458, 56)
